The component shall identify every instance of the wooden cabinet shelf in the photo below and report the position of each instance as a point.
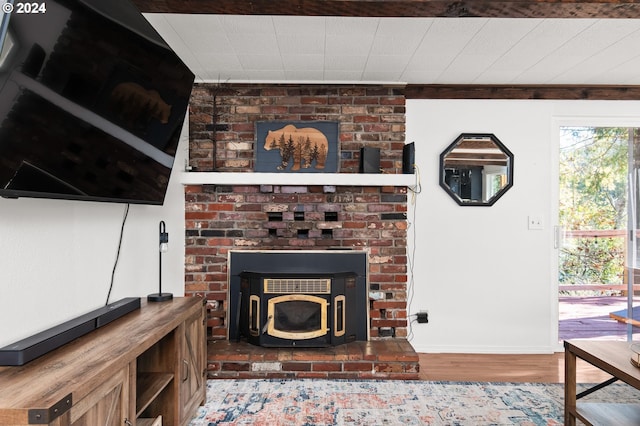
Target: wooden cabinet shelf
(150, 422)
(146, 368)
(148, 387)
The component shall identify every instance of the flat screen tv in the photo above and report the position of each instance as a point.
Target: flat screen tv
(92, 103)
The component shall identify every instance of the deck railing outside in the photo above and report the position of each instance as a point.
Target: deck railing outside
(620, 287)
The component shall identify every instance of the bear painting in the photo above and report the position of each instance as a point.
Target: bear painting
(300, 147)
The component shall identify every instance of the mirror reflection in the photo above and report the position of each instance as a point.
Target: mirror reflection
(476, 169)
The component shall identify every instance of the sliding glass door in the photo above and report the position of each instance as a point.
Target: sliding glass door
(633, 263)
(599, 173)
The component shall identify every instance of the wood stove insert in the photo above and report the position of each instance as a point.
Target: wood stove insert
(298, 299)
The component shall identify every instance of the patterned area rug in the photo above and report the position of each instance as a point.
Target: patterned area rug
(386, 402)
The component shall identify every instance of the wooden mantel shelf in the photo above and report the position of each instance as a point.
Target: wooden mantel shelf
(337, 179)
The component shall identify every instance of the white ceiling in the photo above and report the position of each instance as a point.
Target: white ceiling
(309, 49)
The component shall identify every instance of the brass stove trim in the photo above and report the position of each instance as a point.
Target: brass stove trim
(339, 305)
(254, 315)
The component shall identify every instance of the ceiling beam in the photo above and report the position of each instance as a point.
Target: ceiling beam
(612, 9)
(497, 91)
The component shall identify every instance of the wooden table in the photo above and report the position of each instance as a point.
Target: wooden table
(613, 357)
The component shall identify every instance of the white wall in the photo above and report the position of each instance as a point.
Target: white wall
(57, 256)
(487, 281)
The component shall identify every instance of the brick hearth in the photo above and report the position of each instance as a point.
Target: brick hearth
(392, 359)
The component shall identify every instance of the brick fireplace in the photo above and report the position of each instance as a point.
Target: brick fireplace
(265, 216)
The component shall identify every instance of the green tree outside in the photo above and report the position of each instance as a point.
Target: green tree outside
(593, 196)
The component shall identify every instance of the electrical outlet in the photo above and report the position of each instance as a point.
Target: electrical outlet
(423, 317)
(535, 222)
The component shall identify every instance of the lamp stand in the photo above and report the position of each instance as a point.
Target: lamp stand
(160, 296)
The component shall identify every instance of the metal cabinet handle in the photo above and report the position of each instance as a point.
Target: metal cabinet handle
(185, 371)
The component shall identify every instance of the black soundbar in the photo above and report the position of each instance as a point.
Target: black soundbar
(32, 347)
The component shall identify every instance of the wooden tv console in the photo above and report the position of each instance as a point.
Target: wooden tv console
(146, 368)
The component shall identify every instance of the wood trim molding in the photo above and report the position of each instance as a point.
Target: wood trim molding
(605, 9)
(564, 92)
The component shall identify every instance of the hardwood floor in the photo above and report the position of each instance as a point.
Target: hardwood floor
(545, 368)
(580, 317)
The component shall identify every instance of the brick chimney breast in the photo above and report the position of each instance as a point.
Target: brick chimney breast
(220, 218)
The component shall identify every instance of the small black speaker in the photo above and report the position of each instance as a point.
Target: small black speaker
(409, 158)
(369, 160)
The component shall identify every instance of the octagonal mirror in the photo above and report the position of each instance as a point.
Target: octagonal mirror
(476, 169)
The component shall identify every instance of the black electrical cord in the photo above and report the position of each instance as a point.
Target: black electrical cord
(411, 256)
(115, 264)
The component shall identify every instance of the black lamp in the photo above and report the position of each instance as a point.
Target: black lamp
(164, 246)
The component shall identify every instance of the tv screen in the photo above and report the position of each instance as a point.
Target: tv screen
(92, 103)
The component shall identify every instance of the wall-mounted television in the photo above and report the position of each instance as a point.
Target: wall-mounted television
(92, 103)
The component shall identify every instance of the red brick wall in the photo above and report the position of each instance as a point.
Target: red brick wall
(370, 116)
(251, 217)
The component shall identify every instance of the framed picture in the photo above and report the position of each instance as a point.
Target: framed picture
(297, 146)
